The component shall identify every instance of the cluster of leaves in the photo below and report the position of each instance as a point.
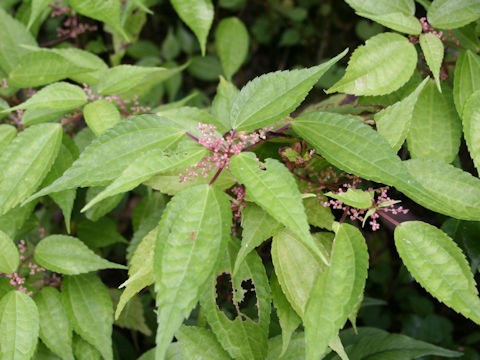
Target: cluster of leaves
(247, 222)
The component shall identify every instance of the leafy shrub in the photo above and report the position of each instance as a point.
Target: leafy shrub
(248, 223)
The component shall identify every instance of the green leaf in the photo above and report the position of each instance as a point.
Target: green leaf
(433, 50)
(68, 255)
(454, 188)
(198, 343)
(257, 226)
(101, 233)
(471, 127)
(43, 353)
(103, 207)
(55, 328)
(336, 291)
(14, 35)
(268, 98)
(296, 268)
(100, 116)
(83, 350)
(38, 116)
(274, 190)
(468, 37)
(289, 320)
(437, 263)
(152, 163)
(393, 123)
(132, 317)
(379, 67)
(9, 256)
(245, 336)
(60, 96)
(205, 68)
(354, 197)
(398, 21)
(26, 161)
(448, 14)
(406, 7)
(12, 222)
(188, 118)
(89, 308)
(198, 15)
(466, 81)
(7, 134)
(18, 326)
(231, 41)
(222, 103)
(108, 155)
(140, 272)
(107, 11)
(42, 67)
(37, 6)
(186, 253)
(436, 129)
(295, 351)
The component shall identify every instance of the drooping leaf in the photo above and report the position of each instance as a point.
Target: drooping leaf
(466, 81)
(9, 256)
(108, 155)
(107, 11)
(397, 21)
(100, 116)
(101, 208)
(296, 348)
(354, 197)
(432, 48)
(18, 326)
(257, 227)
(274, 190)
(132, 317)
(68, 255)
(393, 123)
(197, 343)
(26, 161)
(198, 15)
(83, 350)
(447, 14)
(43, 353)
(55, 328)
(43, 67)
(336, 291)
(268, 98)
(222, 103)
(437, 263)
(37, 6)
(7, 134)
(471, 127)
(289, 320)
(453, 187)
(231, 41)
(191, 238)
(245, 336)
(14, 35)
(152, 163)
(89, 309)
(101, 233)
(436, 129)
(379, 67)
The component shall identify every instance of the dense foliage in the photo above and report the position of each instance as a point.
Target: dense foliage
(166, 191)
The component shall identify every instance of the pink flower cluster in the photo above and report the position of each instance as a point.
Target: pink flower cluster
(73, 28)
(124, 105)
(4, 84)
(239, 202)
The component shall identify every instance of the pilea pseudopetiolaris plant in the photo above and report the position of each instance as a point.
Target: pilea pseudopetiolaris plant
(246, 206)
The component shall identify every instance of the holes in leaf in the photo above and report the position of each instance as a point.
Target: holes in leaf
(242, 302)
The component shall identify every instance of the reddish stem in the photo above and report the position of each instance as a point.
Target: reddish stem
(388, 218)
(192, 137)
(216, 176)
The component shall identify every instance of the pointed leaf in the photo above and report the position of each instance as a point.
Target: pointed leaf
(152, 163)
(437, 263)
(9, 256)
(222, 103)
(243, 338)
(436, 129)
(296, 349)
(393, 123)
(7, 134)
(379, 67)
(55, 328)
(68, 255)
(448, 14)
(432, 48)
(335, 292)
(37, 6)
(354, 197)
(90, 311)
(406, 7)
(100, 116)
(268, 98)
(471, 127)
(83, 350)
(274, 190)
(198, 15)
(18, 326)
(108, 155)
(186, 252)
(231, 41)
(132, 317)
(14, 35)
(101, 233)
(398, 21)
(317, 214)
(200, 343)
(26, 161)
(467, 78)
(103, 207)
